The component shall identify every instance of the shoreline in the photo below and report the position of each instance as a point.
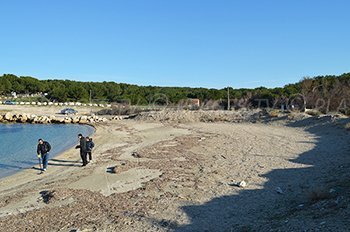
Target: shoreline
(57, 155)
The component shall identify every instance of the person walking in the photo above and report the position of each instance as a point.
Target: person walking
(82, 146)
(43, 150)
(89, 146)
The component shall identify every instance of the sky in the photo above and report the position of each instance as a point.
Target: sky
(196, 43)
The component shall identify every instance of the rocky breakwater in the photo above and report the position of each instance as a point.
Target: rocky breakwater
(43, 119)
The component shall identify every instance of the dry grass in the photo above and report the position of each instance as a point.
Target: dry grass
(313, 112)
(274, 113)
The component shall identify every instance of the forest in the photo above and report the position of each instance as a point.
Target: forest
(325, 93)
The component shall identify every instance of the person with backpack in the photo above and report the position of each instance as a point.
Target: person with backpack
(43, 150)
(89, 146)
(82, 146)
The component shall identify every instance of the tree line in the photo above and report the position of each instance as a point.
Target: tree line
(324, 92)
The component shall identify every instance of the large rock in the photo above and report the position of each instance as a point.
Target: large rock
(8, 116)
(60, 120)
(22, 118)
(75, 119)
(83, 119)
(67, 120)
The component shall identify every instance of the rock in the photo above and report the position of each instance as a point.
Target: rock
(43, 120)
(22, 118)
(75, 119)
(83, 119)
(135, 155)
(242, 184)
(52, 117)
(8, 116)
(67, 120)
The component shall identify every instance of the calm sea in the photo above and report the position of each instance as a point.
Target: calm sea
(18, 143)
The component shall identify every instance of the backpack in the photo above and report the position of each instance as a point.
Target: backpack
(92, 144)
(47, 147)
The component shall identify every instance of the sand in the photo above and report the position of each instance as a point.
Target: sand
(185, 180)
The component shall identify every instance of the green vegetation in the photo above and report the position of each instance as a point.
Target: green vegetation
(66, 90)
(321, 92)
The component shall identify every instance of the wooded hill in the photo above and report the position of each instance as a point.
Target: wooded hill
(332, 90)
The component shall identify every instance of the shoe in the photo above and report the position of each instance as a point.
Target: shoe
(44, 170)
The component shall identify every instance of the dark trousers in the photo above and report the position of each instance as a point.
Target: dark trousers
(89, 154)
(83, 157)
(45, 158)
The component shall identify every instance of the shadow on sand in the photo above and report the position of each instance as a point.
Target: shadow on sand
(64, 163)
(266, 210)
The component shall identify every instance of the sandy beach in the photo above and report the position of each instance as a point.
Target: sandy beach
(184, 176)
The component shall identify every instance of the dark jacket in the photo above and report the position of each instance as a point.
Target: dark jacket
(82, 145)
(43, 148)
(89, 145)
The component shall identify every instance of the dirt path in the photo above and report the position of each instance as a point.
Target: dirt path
(182, 180)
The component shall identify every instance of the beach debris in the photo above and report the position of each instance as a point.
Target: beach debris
(135, 155)
(47, 196)
(279, 190)
(112, 169)
(241, 184)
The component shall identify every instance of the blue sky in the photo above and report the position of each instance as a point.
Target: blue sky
(198, 43)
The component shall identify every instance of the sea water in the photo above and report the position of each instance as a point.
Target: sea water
(18, 143)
